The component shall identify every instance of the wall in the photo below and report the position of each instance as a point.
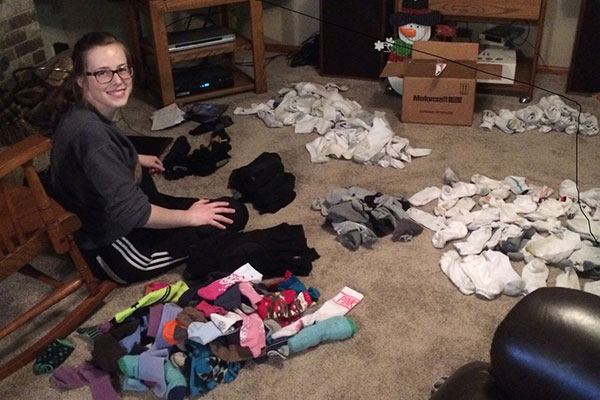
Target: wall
(64, 20)
(21, 43)
(560, 27)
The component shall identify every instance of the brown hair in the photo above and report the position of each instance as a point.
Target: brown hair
(82, 47)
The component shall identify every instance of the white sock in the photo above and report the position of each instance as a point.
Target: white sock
(524, 204)
(500, 193)
(464, 204)
(508, 123)
(581, 226)
(450, 265)
(588, 252)
(443, 206)
(268, 117)
(550, 208)
(224, 322)
(568, 188)
(517, 184)
(485, 216)
(555, 247)
(539, 192)
(454, 230)
(507, 213)
(568, 279)
(339, 305)
(464, 217)
(482, 180)
(475, 267)
(424, 196)
(501, 270)
(487, 119)
(475, 242)
(549, 225)
(427, 220)
(535, 274)
(495, 238)
(460, 189)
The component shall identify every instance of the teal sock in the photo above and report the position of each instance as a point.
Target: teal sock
(176, 383)
(129, 366)
(55, 354)
(336, 328)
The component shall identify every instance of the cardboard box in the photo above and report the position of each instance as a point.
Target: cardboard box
(446, 99)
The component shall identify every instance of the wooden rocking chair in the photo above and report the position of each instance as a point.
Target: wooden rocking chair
(32, 224)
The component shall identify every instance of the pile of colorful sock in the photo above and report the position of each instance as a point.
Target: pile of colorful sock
(178, 340)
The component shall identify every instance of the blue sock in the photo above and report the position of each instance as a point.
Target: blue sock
(336, 328)
(176, 383)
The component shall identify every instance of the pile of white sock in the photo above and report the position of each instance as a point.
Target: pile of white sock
(348, 131)
(550, 114)
(477, 215)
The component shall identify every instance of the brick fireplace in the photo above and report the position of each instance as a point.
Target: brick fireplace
(21, 43)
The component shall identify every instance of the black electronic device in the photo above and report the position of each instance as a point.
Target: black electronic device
(501, 35)
(201, 79)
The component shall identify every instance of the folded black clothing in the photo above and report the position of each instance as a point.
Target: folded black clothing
(274, 204)
(204, 161)
(281, 183)
(270, 251)
(176, 162)
(276, 194)
(250, 178)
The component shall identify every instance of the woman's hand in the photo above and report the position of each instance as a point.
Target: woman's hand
(204, 212)
(153, 163)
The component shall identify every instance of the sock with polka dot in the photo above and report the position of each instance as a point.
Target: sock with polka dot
(54, 355)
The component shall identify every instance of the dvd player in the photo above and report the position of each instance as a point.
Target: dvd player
(194, 38)
(202, 79)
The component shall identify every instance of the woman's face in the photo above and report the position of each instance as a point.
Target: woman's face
(105, 97)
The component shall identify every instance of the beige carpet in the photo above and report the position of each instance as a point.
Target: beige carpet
(413, 325)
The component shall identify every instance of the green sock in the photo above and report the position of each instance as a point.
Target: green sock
(90, 332)
(54, 355)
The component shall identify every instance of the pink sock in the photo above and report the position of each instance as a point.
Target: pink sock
(245, 273)
(248, 291)
(252, 333)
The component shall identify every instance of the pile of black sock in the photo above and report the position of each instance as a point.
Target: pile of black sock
(264, 183)
(202, 162)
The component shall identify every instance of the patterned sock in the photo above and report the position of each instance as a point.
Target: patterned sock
(54, 355)
(90, 332)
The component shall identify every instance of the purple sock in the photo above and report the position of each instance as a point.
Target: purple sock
(154, 319)
(86, 374)
(151, 368)
(169, 312)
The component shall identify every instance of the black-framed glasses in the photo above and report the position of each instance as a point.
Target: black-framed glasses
(104, 76)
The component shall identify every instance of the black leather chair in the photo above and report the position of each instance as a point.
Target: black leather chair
(547, 347)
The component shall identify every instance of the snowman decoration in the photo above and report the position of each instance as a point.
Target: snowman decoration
(414, 22)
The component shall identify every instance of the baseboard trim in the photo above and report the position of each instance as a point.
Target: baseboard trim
(552, 70)
(281, 48)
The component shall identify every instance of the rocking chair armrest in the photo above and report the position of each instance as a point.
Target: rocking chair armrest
(22, 152)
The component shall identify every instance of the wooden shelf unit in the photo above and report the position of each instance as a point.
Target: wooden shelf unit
(501, 11)
(156, 46)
